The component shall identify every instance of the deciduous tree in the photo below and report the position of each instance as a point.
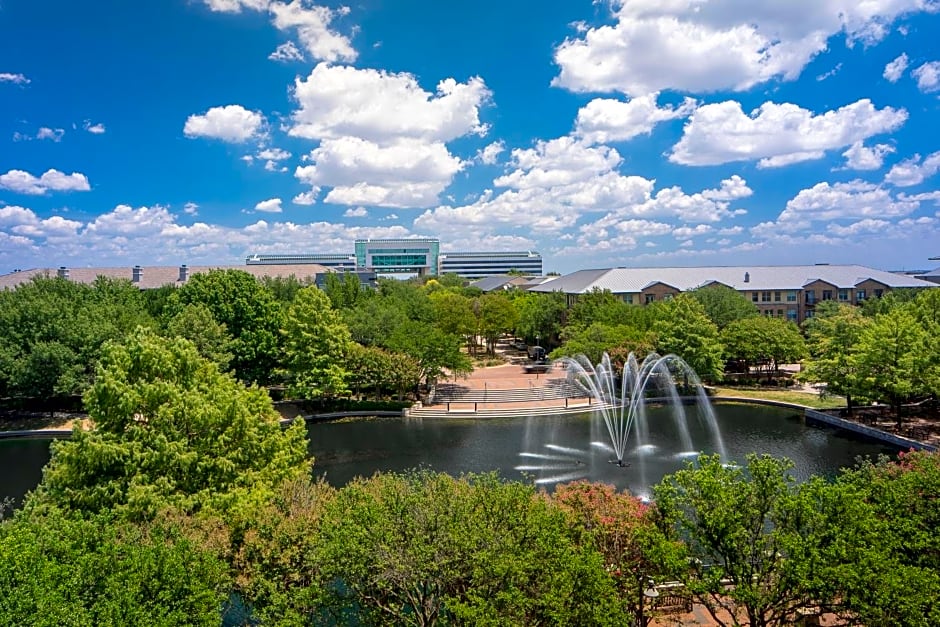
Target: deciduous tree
(316, 342)
(169, 430)
(683, 329)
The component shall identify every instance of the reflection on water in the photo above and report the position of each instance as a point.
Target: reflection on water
(543, 449)
(552, 449)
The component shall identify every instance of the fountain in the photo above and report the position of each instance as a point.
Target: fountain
(620, 409)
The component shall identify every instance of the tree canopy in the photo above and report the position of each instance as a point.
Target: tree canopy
(169, 430)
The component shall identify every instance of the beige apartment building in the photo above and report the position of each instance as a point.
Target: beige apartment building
(789, 292)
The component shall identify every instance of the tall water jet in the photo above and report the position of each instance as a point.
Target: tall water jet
(621, 401)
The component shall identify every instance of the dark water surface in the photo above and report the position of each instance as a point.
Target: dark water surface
(558, 448)
(546, 449)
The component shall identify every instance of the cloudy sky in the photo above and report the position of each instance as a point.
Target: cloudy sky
(612, 132)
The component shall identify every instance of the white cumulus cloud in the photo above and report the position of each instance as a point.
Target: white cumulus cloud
(861, 157)
(358, 212)
(286, 52)
(777, 134)
(895, 69)
(913, 171)
(312, 24)
(489, 155)
(336, 101)
(406, 173)
(94, 129)
(928, 76)
(605, 120)
(271, 205)
(23, 182)
(854, 199)
(16, 79)
(702, 45)
(231, 123)
(52, 134)
(235, 6)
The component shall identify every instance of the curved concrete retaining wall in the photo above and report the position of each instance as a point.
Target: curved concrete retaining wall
(37, 434)
(819, 417)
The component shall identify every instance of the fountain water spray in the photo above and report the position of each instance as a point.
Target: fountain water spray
(619, 422)
(622, 408)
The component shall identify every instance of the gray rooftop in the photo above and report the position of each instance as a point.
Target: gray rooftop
(158, 276)
(635, 280)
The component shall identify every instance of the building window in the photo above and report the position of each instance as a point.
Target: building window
(780, 313)
(827, 295)
(776, 297)
(810, 313)
(791, 315)
(844, 295)
(668, 296)
(810, 297)
(628, 298)
(791, 297)
(860, 295)
(765, 297)
(769, 313)
(878, 293)
(754, 296)
(650, 298)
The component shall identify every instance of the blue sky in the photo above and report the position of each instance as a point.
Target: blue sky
(614, 132)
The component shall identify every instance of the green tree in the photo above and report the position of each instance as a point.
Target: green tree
(316, 343)
(283, 289)
(623, 529)
(764, 341)
(434, 351)
(539, 316)
(453, 314)
(426, 549)
(832, 336)
(345, 290)
(249, 312)
(682, 328)
(54, 330)
(616, 340)
(723, 305)
(373, 321)
(741, 524)
(196, 324)
(495, 317)
(890, 360)
(597, 306)
(926, 309)
(62, 570)
(897, 581)
(169, 430)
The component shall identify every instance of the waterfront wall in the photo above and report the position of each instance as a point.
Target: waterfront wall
(905, 443)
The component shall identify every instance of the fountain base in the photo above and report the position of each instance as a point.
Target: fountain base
(619, 462)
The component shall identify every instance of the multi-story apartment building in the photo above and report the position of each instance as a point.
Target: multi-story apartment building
(790, 292)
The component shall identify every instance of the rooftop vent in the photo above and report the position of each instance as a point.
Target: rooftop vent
(63, 272)
(137, 274)
(747, 277)
(184, 273)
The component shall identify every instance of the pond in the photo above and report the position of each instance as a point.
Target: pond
(545, 449)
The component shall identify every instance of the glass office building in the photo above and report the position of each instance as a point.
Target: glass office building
(476, 265)
(399, 256)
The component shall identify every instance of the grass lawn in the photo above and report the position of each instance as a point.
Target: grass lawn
(810, 399)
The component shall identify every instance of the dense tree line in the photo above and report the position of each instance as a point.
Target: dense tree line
(347, 340)
(188, 504)
(887, 351)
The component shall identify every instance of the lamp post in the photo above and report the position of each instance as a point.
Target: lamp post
(648, 593)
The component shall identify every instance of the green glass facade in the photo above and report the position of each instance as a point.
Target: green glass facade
(402, 256)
